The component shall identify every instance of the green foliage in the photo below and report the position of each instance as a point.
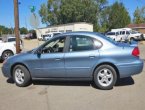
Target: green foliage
(5, 30)
(68, 11)
(97, 12)
(23, 30)
(139, 15)
(118, 16)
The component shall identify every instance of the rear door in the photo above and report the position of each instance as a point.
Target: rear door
(81, 57)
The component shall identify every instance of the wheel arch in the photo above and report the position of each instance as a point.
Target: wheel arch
(107, 63)
(12, 67)
(8, 50)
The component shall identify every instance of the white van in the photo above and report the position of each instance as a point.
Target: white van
(128, 34)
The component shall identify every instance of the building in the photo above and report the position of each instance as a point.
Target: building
(70, 27)
(138, 27)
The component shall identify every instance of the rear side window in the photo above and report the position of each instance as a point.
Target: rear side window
(81, 43)
(122, 32)
(111, 33)
(11, 39)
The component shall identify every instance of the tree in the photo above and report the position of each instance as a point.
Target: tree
(139, 15)
(118, 16)
(5, 30)
(69, 11)
(23, 30)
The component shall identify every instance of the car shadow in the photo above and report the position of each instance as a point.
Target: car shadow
(121, 82)
(63, 83)
(10, 80)
(125, 81)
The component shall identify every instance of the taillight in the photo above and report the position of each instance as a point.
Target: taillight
(135, 52)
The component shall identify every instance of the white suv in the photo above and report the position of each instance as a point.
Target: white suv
(128, 34)
(50, 35)
(114, 35)
(8, 47)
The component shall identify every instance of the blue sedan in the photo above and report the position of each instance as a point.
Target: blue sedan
(75, 56)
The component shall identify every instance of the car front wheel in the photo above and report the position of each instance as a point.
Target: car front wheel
(21, 76)
(105, 77)
(6, 54)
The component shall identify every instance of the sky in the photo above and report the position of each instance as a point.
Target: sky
(7, 10)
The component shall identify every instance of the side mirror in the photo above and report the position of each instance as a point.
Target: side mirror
(39, 51)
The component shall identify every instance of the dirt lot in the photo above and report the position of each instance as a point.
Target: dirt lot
(128, 94)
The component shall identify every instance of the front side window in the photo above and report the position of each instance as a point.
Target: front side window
(81, 43)
(54, 46)
(127, 33)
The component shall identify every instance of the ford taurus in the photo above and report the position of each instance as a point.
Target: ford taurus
(75, 56)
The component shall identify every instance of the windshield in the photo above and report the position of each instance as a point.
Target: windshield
(133, 32)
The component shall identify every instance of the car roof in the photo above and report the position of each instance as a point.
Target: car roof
(81, 33)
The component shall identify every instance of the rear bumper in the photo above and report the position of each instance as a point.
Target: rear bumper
(129, 69)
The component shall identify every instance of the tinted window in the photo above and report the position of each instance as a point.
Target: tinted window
(61, 30)
(127, 32)
(68, 30)
(122, 32)
(11, 39)
(111, 33)
(117, 33)
(81, 43)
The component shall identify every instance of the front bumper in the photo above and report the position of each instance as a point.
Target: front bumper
(129, 69)
(6, 71)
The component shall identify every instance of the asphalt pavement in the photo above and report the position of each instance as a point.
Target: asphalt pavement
(128, 94)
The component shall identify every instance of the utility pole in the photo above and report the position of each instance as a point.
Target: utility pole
(16, 17)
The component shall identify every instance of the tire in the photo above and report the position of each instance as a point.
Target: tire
(105, 77)
(21, 76)
(132, 39)
(6, 54)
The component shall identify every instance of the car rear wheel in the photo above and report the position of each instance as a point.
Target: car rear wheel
(21, 76)
(6, 54)
(105, 77)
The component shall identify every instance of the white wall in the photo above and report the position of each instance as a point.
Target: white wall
(66, 27)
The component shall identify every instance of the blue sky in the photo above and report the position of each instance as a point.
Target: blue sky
(7, 8)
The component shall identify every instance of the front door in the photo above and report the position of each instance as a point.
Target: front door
(51, 60)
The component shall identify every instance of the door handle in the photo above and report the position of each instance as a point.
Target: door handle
(57, 59)
(92, 56)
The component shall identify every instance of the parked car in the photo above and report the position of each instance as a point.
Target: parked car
(114, 35)
(8, 47)
(50, 35)
(128, 34)
(75, 56)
